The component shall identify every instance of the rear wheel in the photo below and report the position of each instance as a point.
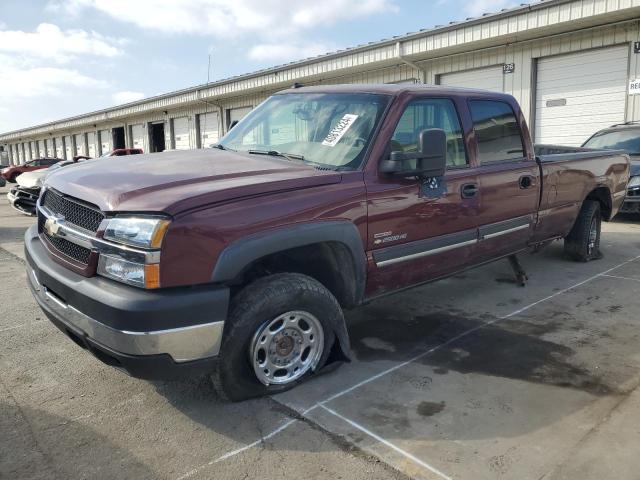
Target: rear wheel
(583, 242)
(277, 334)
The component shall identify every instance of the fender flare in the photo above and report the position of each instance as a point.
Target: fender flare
(243, 252)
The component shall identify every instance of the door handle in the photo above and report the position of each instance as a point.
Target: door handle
(469, 190)
(527, 181)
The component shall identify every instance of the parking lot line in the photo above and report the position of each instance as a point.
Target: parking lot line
(322, 403)
(387, 443)
(622, 278)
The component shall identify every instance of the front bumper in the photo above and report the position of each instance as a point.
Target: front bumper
(23, 201)
(631, 202)
(161, 334)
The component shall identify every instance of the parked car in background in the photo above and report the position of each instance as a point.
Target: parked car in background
(10, 173)
(119, 152)
(24, 196)
(625, 137)
(239, 263)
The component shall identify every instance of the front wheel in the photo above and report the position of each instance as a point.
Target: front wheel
(279, 332)
(583, 242)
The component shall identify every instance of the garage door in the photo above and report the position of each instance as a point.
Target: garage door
(20, 153)
(27, 152)
(181, 133)
(68, 148)
(105, 141)
(49, 147)
(209, 132)
(41, 150)
(490, 78)
(91, 143)
(59, 148)
(34, 150)
(79, 138)
(238, 113)
(137, 136)
(579, 94)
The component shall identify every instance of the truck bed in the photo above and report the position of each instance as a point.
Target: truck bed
(568, 175)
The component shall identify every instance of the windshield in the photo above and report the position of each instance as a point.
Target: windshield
(627, 140)
(330, 130)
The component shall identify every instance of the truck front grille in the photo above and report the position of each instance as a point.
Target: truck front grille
(74, 211)
(71, 250)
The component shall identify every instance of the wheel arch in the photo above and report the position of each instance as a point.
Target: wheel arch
(602, 194)
(331, 252)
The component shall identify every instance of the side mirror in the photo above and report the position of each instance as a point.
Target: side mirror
(430, 159)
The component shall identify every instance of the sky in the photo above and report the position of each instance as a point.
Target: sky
(60, 58)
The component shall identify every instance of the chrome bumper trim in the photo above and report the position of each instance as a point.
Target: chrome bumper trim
(182, 344)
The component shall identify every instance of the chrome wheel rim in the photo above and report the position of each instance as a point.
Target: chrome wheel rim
(593, 236)
(286, 348)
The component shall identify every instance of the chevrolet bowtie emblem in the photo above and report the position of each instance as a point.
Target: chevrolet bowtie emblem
(52, 225)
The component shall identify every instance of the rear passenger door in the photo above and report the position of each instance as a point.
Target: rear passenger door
(508, 179)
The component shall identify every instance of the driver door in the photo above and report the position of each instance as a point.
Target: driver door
(418, 233)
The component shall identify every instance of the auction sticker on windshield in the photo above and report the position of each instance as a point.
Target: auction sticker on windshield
(337, 132)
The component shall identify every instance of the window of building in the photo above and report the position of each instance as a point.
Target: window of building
(430, 113)
(497, 131)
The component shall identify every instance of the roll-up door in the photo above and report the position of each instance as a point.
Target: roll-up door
(491, 78)
(580, 93)
(79, 139)
(42, 152)
(209, 132)
(105, 141)
(49, 147)
(91, 143)
(34, 150)
(137, 136)
(68, 148)
(181, 133)
(20, 153)
(59, 148)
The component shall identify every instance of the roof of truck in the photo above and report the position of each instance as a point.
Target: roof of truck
(391, 89)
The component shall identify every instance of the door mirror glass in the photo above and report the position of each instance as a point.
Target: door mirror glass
(428, 161)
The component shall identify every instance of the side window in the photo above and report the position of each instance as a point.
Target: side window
(497, 131)
(431, 113)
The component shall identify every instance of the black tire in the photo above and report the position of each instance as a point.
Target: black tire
(583, 242)
(261, 302)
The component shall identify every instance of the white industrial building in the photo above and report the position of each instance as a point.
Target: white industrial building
(570, 64)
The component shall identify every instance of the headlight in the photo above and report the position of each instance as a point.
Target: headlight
(634, 182)
(144, 232)
(136, 274)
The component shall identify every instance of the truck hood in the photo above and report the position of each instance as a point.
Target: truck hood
(31, 179)
(176, 181)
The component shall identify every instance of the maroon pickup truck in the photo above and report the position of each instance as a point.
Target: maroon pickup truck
(238, 261)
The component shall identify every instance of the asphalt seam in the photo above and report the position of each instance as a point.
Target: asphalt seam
(13, 256)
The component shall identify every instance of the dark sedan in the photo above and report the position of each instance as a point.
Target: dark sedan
(623, 137)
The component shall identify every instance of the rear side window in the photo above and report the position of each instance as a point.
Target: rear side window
(497, 131)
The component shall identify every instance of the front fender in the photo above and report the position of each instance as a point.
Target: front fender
(239, 255)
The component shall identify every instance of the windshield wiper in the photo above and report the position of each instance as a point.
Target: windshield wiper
(219, 146)
(275, 153)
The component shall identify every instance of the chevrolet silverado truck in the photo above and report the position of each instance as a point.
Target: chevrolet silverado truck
(238, 261)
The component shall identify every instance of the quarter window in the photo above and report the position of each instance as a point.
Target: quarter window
(497, 131)
(426, 114)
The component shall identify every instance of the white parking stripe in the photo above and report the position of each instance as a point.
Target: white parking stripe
(412, 360)
(387, 443)
(623, 278)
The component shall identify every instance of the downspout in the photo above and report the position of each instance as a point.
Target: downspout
(422, 74)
